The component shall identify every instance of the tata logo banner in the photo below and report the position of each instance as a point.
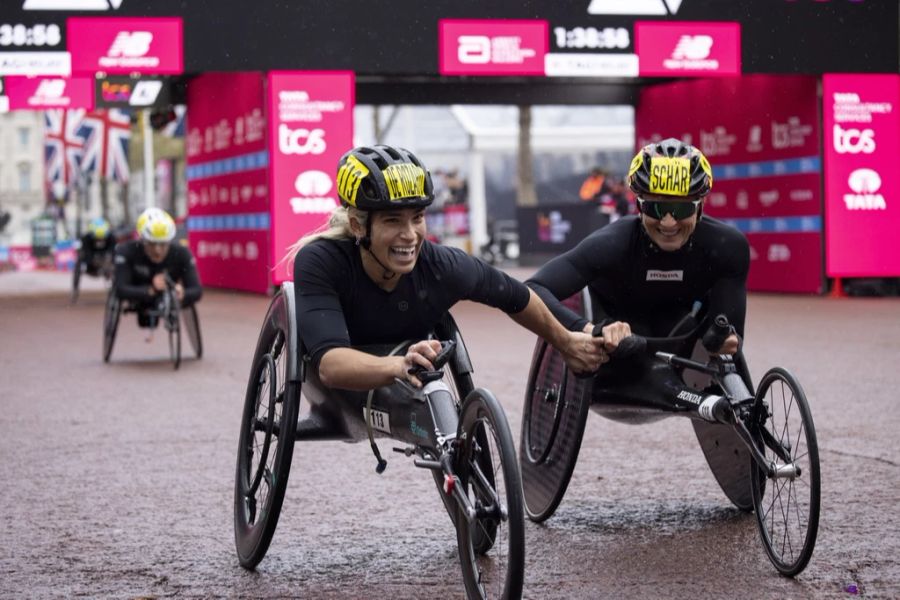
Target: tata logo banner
(492, 47)
(310, 128)
(120, 45)
(862, 183)
(40, 93)
(682, 49)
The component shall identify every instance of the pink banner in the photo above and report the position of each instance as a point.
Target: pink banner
(122, 45)
(862, 185)
(766, 166)
(492, 47)
(41, 93)
(311, 127)
(228, 193)
(703, 49)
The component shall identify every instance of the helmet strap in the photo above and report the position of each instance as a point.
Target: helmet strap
(366, 243)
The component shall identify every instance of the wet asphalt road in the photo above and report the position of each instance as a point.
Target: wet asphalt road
(117, 479)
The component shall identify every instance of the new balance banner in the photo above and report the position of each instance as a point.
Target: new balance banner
(116, 45)
(38, 93)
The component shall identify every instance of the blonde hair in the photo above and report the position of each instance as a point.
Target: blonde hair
(336, 228)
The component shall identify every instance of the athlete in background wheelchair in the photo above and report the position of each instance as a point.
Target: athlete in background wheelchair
(158, 281)
(365, 330)
(666, 291)
(95, 254)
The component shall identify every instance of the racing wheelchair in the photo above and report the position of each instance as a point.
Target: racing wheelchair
(761, 447)
(100, 266)
(456, 431)
(168, 311)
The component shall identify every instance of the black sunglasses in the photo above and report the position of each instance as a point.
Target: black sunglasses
(658, 209)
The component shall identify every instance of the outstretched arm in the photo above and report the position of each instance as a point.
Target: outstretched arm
(582, 352)
(350, 369)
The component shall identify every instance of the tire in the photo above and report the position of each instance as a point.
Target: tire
(787, 508)
(76, 279)
(487, 470)
(191, 322)
(553, 421)
(172, 323)
(266, 444)
(111, 315)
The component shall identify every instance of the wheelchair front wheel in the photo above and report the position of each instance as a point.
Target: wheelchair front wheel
(266, 444)
(489, 475)
(111, 316)
(786, 506)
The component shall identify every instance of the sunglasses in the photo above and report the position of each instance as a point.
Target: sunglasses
(658, 209)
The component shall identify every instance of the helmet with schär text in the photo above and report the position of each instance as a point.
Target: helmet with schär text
(670, 168)
(383, 177)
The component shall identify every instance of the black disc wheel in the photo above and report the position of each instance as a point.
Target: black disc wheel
(266, 443)
(173, 327)
(786, 501)
(111, 315)
(553, 421)
(491, 538)
(191, 322)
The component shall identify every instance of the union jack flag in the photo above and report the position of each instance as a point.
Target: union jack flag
(106, 133)
(63, 146)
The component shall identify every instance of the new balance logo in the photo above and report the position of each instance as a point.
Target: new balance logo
(634, 7)
(71, 4)
(693, 47)
(50, 89)
(50, 93)
(130, 49)
(131, 43)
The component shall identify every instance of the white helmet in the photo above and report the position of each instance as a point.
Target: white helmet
(155, 225)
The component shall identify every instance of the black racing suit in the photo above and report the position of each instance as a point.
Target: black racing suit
(94, 252)
(634, 281)
(338, 304)
(134, 272)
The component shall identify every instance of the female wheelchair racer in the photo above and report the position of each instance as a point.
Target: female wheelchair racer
(672, 272)
(361, 287)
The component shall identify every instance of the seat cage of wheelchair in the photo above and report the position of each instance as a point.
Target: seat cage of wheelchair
(397, 411)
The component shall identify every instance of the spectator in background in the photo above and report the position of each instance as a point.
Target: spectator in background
(593, 186)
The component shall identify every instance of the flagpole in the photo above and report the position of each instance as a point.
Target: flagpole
(149, 171)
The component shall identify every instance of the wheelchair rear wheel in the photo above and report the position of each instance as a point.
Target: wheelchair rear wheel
(266, 444)
(489, 477)
(173, 326)
(111, 316)
(787, 506)
(191, 322)
(76, 279)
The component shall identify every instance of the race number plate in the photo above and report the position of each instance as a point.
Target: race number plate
(380, 420)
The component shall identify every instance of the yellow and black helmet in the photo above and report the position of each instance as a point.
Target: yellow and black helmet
(383, 177)
(670, 168)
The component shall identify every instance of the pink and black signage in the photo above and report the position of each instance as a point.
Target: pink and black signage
(492, 47)
(766, 166)
(310, 128)
(228, 192)
(121, 45)
(42, 93)
(862, 185)
(683, 49)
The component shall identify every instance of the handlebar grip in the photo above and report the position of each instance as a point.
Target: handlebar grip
(630, 346)
(717, 333)
(447, 349)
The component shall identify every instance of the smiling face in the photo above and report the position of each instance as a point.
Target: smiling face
(667, 232)
(397, 237)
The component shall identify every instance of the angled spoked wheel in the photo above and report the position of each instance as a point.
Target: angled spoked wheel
(172, 323)
(786, 505)
(266, 445)
(111, 315)
(492, 544)
(76, 279)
